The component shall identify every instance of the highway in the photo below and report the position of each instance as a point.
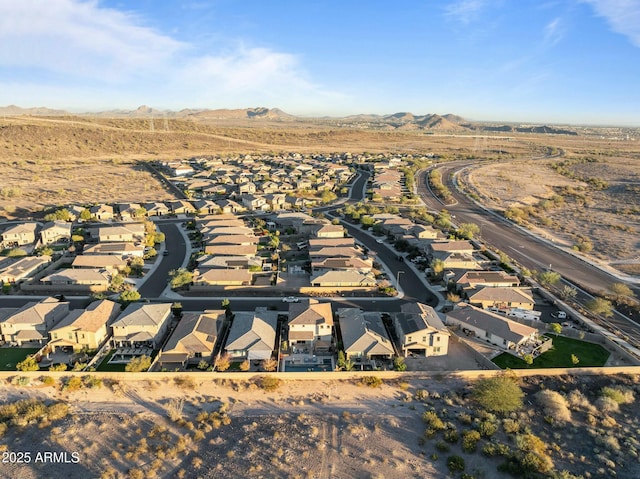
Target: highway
(528, 250)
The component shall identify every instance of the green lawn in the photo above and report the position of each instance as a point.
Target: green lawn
(559, 356)
(9, 357)
(112, 368)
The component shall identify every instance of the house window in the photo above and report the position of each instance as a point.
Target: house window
(436, 350)
(504, 341)
(409, 339)
(424, 339)
(437, 338)
(197, 355)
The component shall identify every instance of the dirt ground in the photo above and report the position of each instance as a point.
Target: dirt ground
(608, 218)
(306, 429)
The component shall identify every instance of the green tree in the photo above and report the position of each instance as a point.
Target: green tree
(16, 252)
(28, 364)
(180, 277)
(500, 394)
(399, 364)
(223, 362)
(59, 215)
(549, 278)
(467, 230)
(568, 292)
(138, 364)
(129, 296)
(117, 283)
(575, 359)
(528, 358)
(274, 242)
(437, 268)
(85, 214)
(621, 289)
(327, 196)
(556, 328)
(600, 306)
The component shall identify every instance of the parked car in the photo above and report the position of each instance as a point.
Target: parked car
(379, 241)
(165, 253)
(290, 299)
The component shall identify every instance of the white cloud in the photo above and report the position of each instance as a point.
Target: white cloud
(88, 48)
(465, 11)
(554, 31)
(623, 16)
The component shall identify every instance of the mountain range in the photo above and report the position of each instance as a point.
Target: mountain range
(396, 121)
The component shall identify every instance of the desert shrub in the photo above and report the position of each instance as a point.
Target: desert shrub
(270, 383)
(499, 394)
(619, 394)
(442, 446)
(451, 435)
(496, 449)
(487, 428)
(47, 380)
(72, 383)
(58, 367)
(185, 382)
(577, 400)
(371, 381)
(455, 463)
(465, 418)
(533, 455)
(510, 426)
(421, 395)
(433, 421)
(245, 365)
(607, 405)
(554, 405)
(269, 364)
(136, 473)
(470, 440)
(92, 382)
(174, 409)
(57, 411)
(21, 381)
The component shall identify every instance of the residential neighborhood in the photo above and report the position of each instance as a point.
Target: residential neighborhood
(264, 226)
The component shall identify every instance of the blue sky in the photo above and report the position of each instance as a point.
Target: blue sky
(564, 61)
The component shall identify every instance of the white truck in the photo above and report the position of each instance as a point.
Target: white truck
(524, 314)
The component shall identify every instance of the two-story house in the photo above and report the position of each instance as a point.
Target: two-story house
(421, 331)
(310, 326)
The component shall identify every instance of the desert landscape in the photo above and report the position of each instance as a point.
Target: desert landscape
(358, 428)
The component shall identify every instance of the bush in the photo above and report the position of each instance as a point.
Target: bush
(619, 394)
(442, 446)
(47, 380)
(487, 428)
(499, 394)
(371, 381)
(72, 384)
(455, 463)
(138, 364)
(451, 435)
(470, 441)
(554, 405)
(28, 364)
(433, 421)
(270, 383)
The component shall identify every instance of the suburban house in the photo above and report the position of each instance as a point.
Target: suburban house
(364, 335)
(100, 261)
(119, 249)
(310, 326)
(316, 244)
(222, 277)
(156, 209)
(18, 235)
(248, 250)
(55, 232)
(193, 340)
(343, 279)
(329, 231)
(31, 322)
(84, 328)
(337, 264)
(93, 278)
(471, 280)
(421, 331)
(229, 262)
(491, 327)
(14, 271)
(179, 207)
(141, 325)
(102, 212)
(462, 247)
(252, 335)
(118, 233)
(503, 298)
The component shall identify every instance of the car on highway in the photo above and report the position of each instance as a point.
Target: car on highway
(290, 299)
